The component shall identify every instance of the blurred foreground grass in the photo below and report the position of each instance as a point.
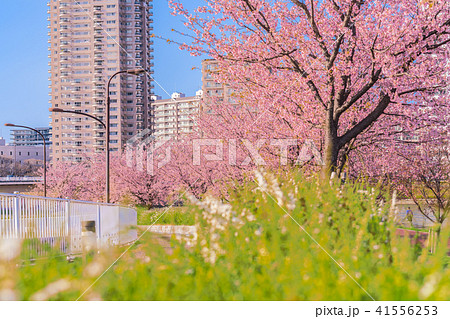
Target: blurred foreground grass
(269, 242)
(165, 216)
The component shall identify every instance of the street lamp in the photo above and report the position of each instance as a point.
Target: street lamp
(105, 125)
(108, 104)
(58, 110)
(45, 151)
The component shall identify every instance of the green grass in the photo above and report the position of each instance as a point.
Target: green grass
(423, 230)
(252, 249)
(165, 216)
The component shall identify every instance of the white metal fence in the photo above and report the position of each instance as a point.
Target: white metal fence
(69, 225)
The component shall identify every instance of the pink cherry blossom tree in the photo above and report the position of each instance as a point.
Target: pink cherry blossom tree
(346, 74)
(86, 181)
(426, 179)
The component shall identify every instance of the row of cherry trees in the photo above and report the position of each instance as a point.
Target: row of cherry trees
(364, 81)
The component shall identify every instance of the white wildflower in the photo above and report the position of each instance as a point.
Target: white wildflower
(321, 218)
(10, 249)
(263, 251)
(262, 183)
(429, 286)
(190, 271)
(276, 191)
(51, 290)
(94, 269)
(291, 203)
(7, 295)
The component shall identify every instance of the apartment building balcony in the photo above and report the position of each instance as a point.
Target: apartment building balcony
(98, 108)
(64, 36)
(64, 67)
(99, 95)
(65, 44)
(64, 11)
(165, 113)
(186, 124)
(98, 114)
(98, 128)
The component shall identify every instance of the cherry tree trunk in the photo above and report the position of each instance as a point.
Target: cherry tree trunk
(331, 150)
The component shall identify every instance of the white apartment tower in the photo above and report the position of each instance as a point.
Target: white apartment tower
(175, 116)
(89, 41)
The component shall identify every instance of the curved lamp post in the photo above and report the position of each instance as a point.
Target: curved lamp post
(106, 124)
(108, 127)
(45, 151)
(58, 110)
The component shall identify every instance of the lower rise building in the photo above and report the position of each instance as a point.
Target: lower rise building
(175, 116)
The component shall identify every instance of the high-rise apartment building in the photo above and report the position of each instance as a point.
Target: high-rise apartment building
(22, 137)
(89, 41)
(212, 89)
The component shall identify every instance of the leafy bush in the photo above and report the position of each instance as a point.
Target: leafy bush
(295, 239)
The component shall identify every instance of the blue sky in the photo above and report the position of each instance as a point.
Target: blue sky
(24, 61)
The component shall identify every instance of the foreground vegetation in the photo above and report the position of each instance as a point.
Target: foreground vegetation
(165, 216)
(291, 239)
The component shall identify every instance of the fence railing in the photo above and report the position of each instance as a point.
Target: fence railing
(70, 225)
(17, 179)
